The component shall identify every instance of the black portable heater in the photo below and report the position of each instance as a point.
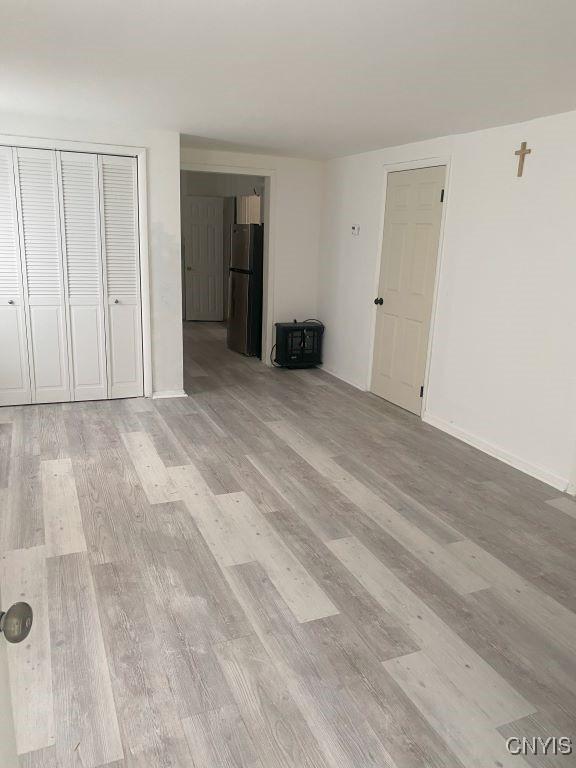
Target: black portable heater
(299, 345)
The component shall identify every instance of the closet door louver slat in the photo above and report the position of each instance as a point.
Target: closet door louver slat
(14, 371)
(37, 192)
(80, 222)
(119, 213)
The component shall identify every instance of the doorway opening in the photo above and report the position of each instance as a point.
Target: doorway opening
(223, 288)
(407, 284)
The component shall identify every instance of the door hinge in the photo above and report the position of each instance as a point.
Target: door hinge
(422, 391)
(442, 196)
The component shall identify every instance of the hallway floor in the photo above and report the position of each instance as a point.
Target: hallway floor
(278, 571)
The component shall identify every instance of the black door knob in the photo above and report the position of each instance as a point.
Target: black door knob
(379, 301)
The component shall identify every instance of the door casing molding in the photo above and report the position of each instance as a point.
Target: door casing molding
(269, 218)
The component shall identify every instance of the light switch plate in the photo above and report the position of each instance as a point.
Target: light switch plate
(355, 229)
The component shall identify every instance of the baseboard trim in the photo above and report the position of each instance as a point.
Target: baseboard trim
(168, 393)
(543, 475)
(344, 379)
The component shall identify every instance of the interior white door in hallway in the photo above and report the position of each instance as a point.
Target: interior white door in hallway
(407, 276)
(203, 221)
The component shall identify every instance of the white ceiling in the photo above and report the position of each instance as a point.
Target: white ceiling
(303, 77)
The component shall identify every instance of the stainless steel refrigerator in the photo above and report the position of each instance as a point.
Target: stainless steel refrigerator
(245, 289)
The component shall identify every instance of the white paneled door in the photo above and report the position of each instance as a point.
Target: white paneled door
(14, 372)
(80, 220)
(203, 237)
(119, 212)
(70, 308)
(38, 206)
(407, 276)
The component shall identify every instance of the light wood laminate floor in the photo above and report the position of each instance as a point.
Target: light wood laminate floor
(278, 571)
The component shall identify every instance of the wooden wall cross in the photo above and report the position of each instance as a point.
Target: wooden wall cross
(522, 152)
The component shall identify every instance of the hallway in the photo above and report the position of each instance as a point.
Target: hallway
(278, 571)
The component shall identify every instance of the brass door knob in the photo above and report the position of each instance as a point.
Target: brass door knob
(16, 622)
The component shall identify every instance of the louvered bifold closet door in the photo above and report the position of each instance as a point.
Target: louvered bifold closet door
(14, 373)
(119, 212)
(80, 223)
(37, 197)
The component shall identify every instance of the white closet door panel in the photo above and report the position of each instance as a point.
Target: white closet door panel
(14, 373)
(88, 361)
(119, 207)
(80, 219)
(36, 178)
(48, 332)
(39, 210)
(124, 350)
(10, 277)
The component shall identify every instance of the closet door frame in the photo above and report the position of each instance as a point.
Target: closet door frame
(140, 153)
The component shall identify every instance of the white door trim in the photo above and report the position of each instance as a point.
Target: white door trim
(412, 165)
(269, 218)
(140, 153)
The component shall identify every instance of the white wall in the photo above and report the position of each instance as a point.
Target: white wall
(295, 221)
(503, 368)
(163, 157)
(219, 184)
